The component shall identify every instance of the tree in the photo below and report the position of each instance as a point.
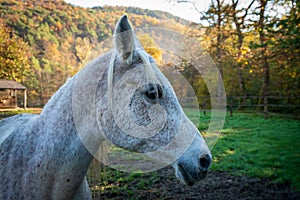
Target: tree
(150, 47)
(14, 55)
(285, 48)
(239, 16)
(217, 17)
(261, 28)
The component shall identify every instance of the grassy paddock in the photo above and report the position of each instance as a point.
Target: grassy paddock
(249, 145)
(257, 147)
(10, 112)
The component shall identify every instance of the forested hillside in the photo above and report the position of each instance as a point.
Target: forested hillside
(51, 40)
(254, 44)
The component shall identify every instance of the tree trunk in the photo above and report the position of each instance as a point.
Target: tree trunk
(242, 87)
(264, 58)
(239, 22)
(265, 84)
(241, 81)
(219, 55)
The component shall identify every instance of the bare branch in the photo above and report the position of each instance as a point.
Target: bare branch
(193, 4)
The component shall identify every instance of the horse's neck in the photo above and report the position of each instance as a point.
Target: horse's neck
(57, 122)
(70, 111)
(59, 102)
(72, 108)
(57, 113)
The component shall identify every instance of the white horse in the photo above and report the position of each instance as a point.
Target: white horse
(47, 156)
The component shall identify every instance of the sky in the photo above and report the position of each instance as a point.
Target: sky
(183, 10)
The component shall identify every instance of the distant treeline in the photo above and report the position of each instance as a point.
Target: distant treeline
(255, 46)
(50, 41)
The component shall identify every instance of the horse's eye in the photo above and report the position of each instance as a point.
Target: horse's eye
(153, 92)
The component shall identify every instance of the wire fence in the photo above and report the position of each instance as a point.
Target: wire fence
(277, 104)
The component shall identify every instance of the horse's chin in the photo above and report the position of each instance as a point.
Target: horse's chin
(185, 178)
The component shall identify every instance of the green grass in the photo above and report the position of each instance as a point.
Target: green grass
(256, 147)
(105, 180)
(11, 112)
(249, 145)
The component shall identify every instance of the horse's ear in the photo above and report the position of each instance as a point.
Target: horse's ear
(124, 39)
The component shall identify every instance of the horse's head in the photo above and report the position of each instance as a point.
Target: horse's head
(142, 113)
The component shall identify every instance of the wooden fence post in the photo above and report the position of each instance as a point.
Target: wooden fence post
(25, 99)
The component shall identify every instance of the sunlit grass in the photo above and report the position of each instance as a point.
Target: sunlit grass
(257, 147)
(104, 180)
(249, 145)
(10, 112)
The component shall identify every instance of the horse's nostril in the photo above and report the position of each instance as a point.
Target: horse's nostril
(205, 162)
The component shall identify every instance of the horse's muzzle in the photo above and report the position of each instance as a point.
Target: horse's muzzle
(189, 174)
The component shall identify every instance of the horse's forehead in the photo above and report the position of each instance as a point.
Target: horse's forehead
(137, 72)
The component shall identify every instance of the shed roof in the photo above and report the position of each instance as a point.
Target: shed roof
(8, 84)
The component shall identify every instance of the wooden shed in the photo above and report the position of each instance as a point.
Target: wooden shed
(9, 94)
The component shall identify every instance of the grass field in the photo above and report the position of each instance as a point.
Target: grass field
(257, 147)
(10, 112)
(249, 145)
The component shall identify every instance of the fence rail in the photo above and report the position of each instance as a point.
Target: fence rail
(275, 103)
